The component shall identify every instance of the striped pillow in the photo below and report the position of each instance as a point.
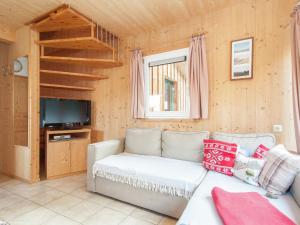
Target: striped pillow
(279, 171)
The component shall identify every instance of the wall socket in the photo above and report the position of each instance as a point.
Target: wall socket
(277, 128)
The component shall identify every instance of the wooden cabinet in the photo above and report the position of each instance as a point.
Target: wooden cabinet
(64, 157)
(58, 160)
(78, 155)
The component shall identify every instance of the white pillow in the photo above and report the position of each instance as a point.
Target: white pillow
(143, 141)
(279, 171)
(183, 145)
(248, 169)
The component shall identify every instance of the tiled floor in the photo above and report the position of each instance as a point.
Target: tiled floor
(66, 202)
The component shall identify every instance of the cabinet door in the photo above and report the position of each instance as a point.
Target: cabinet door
(78, 154)
(58, 158)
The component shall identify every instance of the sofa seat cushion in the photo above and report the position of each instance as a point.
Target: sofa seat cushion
(144, 141)
(183, 145)
(201, 210)
(168, 176)
(295, 190)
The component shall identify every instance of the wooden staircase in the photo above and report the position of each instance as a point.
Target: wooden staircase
(63, 31)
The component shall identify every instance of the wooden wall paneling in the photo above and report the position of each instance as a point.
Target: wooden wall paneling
(96, 136)
(6, 112)
(234, 106)
(7, 34)
(20, 95)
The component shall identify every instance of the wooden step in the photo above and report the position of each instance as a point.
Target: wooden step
(67, 87)
(82, 76)
(76, 43)
(105, 63)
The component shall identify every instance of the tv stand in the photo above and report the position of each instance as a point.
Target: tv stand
(66, 156)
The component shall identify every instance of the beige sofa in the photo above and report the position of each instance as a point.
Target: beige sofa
(187, 147)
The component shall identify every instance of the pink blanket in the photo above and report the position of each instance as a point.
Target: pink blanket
(247, 208)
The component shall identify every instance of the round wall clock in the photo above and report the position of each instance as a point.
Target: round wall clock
(17, 66)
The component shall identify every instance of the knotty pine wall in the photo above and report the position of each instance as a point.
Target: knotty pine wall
(6, 110)
(14, 151)
(234, 106)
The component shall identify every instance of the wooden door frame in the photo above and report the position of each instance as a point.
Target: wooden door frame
(34, 106)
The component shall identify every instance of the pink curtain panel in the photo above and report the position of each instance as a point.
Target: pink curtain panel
(137, 84)
(198, 76)
(296, 72)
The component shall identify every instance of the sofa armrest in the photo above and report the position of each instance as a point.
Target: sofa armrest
(99, 151)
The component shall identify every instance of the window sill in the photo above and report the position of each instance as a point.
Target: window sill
(168, 119)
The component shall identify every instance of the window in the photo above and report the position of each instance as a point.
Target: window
(166, 85)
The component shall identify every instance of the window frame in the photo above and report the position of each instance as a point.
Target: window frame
(166, 114)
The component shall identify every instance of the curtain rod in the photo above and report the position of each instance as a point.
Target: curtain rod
(134, 49)
(193, 35)
(199, 34)
(294, 11)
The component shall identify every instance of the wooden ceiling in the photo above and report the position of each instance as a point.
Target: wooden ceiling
(123, 17)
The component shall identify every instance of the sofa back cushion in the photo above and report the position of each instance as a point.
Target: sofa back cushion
(143, 141)
(247, 141)
(183, 145)
(295, 190)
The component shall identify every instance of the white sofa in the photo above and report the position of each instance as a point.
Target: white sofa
(176, 149)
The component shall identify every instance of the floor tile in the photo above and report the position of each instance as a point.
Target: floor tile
(9, 183)
(82, 211)
(36, 217)
(146, 215)
(100, 199)
(82, 193)
(4, 178)
(66, 201)
(106, 217)
(168, 221)
(60, 220)
(3, 193)
(29, 190)
(9, 200)
(134, 221)
(70, 186)
(44, 198)
(63, 204)
(56, 182)
(18, 208)
(79, 178)
(122, 207)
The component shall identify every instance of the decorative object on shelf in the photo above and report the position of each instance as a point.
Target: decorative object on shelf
(21, 66)
(242, 59)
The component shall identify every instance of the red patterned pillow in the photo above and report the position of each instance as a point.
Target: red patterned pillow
(260, 152)
(219, 156)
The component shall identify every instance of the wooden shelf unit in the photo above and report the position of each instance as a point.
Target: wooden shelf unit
(77, 43)
(82, 76)
(66, 157)
(105, 63)
(66, 18)
(66, 87)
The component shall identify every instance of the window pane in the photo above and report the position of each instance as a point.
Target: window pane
(167, 87)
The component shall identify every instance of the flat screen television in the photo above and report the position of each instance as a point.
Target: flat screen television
(65, 113)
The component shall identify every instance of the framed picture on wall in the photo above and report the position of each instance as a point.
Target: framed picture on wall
(242, 59)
